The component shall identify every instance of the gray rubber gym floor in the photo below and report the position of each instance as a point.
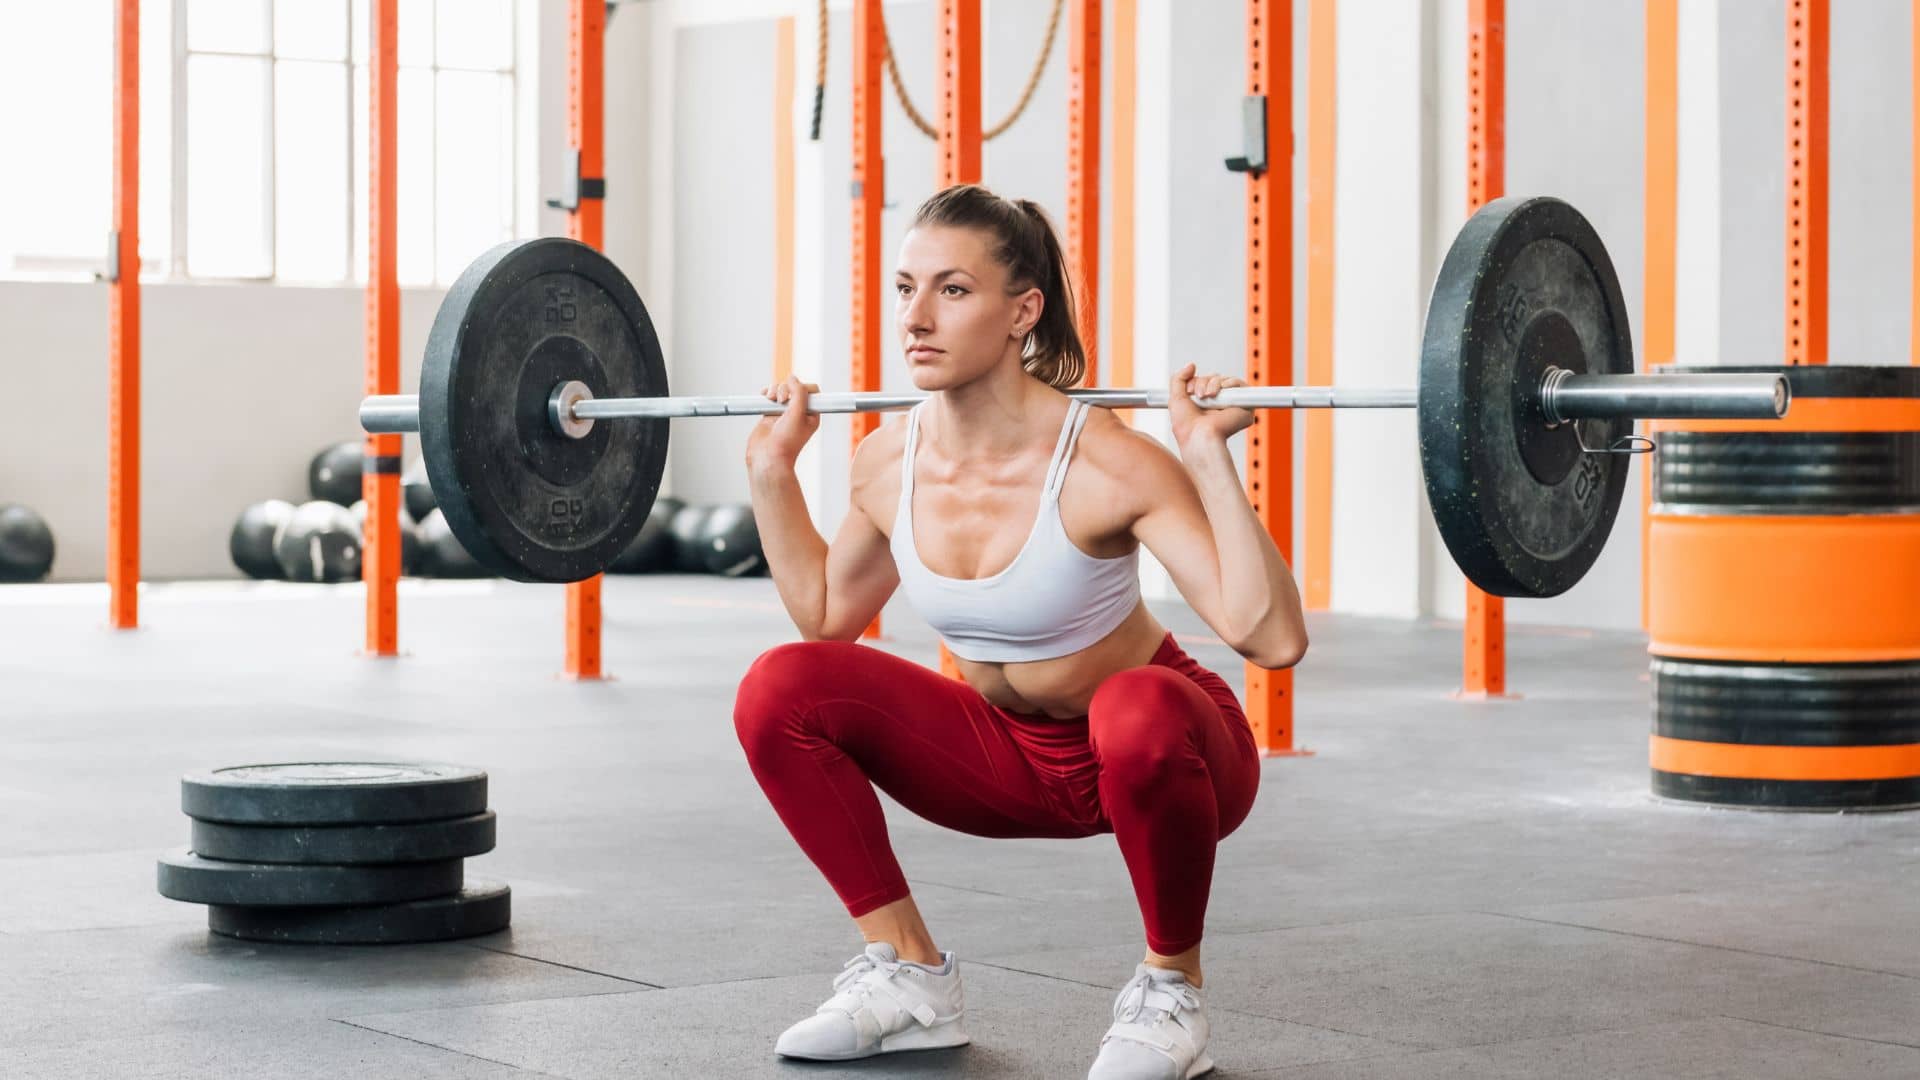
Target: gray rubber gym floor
(1447, 889)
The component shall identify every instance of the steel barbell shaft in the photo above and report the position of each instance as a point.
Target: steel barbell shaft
(1564, 396)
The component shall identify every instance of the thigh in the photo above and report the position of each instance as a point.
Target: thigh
(1228, 746)
(933, 744)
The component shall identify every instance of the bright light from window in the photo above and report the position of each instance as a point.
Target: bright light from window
(310, 170)
(228, 219)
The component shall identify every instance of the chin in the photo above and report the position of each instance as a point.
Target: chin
(930, 377)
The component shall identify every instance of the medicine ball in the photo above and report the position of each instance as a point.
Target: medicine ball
(416, 491)
(334, 475)
(26, 545)
(684, 527)
(251, 543)
(652, 551)
(440, 552)
(319, 542)
(730, 541)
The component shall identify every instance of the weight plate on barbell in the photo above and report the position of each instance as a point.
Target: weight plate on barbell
(1523, 509)
(527, 502)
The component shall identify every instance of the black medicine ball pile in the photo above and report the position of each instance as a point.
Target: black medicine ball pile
(681, 539)
(26, 545)
(321, 540)
(337, 853)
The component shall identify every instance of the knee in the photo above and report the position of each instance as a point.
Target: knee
(775, 692)
(1141, 724)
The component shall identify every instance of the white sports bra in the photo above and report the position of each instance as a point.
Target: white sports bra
(1052, 599)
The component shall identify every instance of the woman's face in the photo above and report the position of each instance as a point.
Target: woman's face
(955, 315)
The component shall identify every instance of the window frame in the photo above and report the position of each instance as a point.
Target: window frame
(353, 272)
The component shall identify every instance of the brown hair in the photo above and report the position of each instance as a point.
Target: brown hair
(1024, 243)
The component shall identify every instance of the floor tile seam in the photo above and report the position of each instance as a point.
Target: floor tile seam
(1824, 1034)
(1709, 945)
(374, 1013)
(558, 964)
(447, 1049)
(1216, 1008)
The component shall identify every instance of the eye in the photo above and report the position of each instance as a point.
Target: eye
(902, 288)
(954, 290)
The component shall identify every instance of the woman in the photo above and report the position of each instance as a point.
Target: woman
(1013, 517)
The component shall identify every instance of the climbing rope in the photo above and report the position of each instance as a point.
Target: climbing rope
(1026, 95)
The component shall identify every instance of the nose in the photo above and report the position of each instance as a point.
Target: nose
(916, 313)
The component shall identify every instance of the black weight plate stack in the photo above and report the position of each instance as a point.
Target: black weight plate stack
(526, 501)
(1523, 509)
(337, 852)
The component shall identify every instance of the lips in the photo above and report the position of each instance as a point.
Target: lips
(922, 352)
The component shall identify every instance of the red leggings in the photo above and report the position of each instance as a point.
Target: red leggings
(1164, 760)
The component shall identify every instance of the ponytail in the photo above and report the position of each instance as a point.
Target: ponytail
(1024, 243)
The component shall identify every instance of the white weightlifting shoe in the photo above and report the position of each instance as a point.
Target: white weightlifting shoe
(1159, 1030)
(881, 1005)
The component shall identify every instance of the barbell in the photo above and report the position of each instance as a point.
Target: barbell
(1524, 402)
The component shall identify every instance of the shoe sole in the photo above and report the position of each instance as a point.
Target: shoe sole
(1202, 1064)
(944, 1037)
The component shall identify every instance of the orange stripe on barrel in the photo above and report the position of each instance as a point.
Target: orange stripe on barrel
(1784, 762)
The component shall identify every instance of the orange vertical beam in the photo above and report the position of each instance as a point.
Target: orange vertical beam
(380, 481)
(1807, 181)
(1913, 313)
(1662, 202)
(960, 140)
(783, 201)
(123, 333)
(586, 123)
(1126, 74)
(1083, 173)
(1485, 647)
(1316, 564)
(1269, 694)
(869, 195)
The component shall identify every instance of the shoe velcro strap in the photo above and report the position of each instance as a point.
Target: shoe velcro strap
(1152, 1036)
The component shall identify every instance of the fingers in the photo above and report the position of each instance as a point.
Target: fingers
(792, 393)
(1202, 387)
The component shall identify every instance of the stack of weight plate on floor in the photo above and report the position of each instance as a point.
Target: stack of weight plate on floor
(337, 853)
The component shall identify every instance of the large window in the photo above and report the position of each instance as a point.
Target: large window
(254, 137)
(56, 125)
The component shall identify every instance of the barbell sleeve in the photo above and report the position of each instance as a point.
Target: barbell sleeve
(1567, 396)
(390, 414)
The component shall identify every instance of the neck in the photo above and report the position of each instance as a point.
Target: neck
(993, 417)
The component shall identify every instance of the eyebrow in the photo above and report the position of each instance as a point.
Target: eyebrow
(941, 276)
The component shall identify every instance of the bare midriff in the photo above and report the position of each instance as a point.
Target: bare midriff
(1062, 687)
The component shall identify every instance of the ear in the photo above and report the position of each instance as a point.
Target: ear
(1027, 309)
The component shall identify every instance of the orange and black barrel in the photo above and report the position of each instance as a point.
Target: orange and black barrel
(1784, 598)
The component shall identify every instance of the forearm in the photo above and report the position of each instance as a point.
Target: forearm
(1258, 597)
(795, 551)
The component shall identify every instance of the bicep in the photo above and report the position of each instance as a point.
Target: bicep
(860, 577)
